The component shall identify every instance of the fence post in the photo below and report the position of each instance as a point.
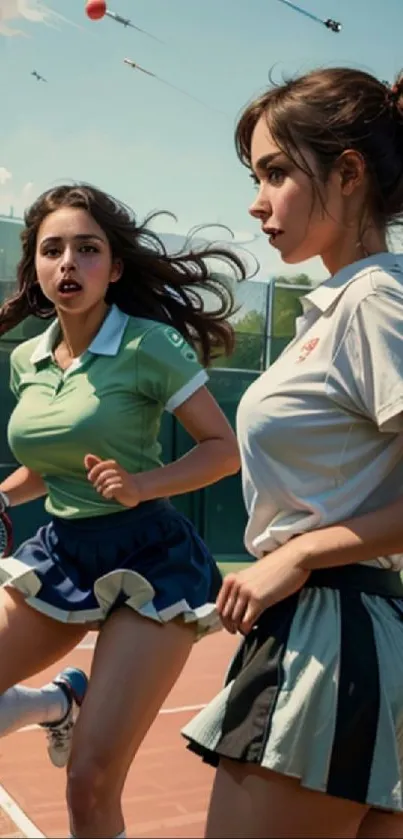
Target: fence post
(268, 336)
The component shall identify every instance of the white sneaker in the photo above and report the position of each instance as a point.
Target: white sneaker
(73, 683)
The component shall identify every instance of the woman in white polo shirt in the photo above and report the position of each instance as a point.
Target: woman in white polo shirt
(131, 339)
(308, 731)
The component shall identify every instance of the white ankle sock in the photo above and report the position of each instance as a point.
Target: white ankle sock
(20, 706)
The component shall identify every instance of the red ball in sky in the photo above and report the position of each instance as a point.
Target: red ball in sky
(95, 9)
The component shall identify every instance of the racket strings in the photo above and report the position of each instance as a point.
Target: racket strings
(5, 534)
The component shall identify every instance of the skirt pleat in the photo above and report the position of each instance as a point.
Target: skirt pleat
(315, 692)
(149, 558)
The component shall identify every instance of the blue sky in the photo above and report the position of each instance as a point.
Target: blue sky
(98, 120)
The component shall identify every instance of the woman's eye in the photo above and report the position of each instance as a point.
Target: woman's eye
(54, 252)
(276, 176)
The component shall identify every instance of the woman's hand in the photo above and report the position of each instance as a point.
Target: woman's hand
(112, 481)
(244, 596)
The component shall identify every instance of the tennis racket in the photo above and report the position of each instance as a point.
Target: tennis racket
(6, 527)
(6, 535)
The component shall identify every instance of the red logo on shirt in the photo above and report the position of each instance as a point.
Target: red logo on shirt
(307, 349)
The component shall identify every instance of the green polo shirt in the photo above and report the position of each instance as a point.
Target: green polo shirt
(109, 403)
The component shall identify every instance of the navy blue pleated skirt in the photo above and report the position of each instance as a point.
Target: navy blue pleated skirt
(149, 558)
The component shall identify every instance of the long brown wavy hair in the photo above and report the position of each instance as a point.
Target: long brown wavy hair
(154, 284)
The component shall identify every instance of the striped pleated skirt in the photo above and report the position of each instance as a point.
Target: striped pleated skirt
(315, 690)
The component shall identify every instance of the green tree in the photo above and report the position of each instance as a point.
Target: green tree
(249, 345)
(251, 329)
(297, 279)
(250, 341)
(287, 306)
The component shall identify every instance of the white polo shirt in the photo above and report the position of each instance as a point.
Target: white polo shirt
(321, 431)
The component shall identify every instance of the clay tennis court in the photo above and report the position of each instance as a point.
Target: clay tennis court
(167, 789)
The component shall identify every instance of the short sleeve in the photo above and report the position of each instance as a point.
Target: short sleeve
(14, 380)
(168, 367)
(374, 351)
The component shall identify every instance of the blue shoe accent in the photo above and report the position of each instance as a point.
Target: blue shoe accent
(74, 682)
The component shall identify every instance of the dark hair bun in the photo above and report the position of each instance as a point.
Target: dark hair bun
(395, 96)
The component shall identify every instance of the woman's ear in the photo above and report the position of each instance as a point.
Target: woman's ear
(117, 270)
(352, 170)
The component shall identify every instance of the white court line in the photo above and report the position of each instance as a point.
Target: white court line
(16, 814)
(14, 811)
(18, 817)
(89, 645)
(180, 710)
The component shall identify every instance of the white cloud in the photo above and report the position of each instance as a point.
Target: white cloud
(32, 11)
(26, 193)
(5, 175)
(16, 198)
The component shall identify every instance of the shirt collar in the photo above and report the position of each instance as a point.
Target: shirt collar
(324, 295)
(107, 341)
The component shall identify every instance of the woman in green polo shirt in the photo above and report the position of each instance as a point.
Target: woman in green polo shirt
(131, 338)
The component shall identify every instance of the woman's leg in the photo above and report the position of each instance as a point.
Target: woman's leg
(30, 642)
(249, 802)
(136, 663)
(381, 825)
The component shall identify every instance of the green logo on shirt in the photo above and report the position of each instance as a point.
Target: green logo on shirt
(174, 337)
(179, 342)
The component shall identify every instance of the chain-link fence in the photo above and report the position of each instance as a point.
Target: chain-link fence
(264, 322)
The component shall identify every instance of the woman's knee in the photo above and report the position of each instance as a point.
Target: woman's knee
(92, 786)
